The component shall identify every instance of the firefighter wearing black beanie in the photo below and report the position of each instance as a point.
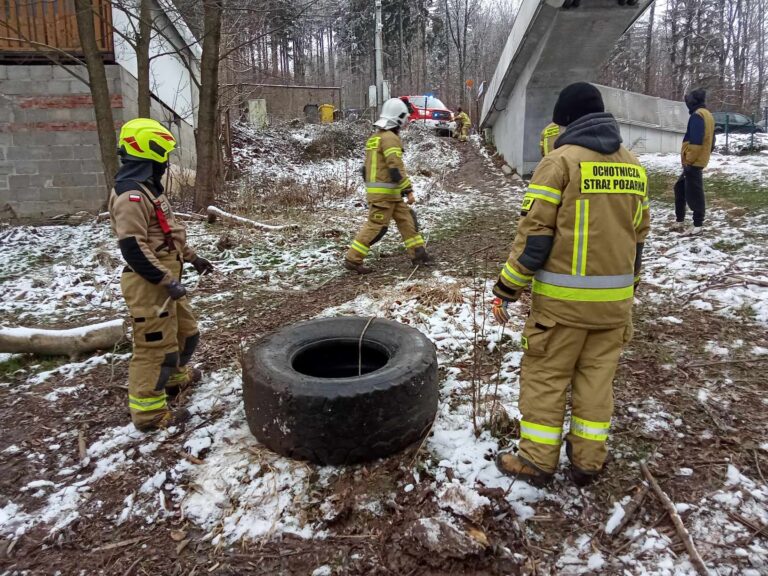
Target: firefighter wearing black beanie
(579, 246)
(575, 101)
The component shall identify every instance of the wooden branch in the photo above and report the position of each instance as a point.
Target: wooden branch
(191, 216)
(669, 507)
(102, 336)
(82, 449)
(754, 527)
(120, 544)
(630, 510)
(105, 216)
(724, 362)
(214, 213)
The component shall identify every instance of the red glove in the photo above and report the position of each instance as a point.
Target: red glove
(499, 310)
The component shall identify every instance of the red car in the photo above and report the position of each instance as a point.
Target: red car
(431, 112)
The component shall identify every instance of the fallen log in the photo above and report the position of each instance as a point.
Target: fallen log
(685, 537)
(71, 342)
(216, 213)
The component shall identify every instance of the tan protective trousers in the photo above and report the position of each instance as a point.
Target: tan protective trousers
(557, 356)
(162, 340)
(462, 133)
(380, 213)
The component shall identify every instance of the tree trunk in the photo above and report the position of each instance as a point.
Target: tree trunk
(331, 56)
(648, 49)
(207, 136)
(424, 67)
(400, 46)
(273, 54)
(142, 57)
(447, 94)
(102, 105)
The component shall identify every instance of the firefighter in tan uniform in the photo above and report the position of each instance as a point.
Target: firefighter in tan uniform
(153, 244)
(549, 135)
(462, 125)
(387, 184)
(579, 243)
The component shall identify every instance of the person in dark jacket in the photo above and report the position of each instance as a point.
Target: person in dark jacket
(694, 155)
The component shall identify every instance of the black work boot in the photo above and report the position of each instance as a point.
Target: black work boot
(582, 477)
(421, 258)
(516, 467)
(166, 420)
(359, 268)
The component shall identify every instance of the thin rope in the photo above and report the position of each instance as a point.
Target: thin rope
(360, 347)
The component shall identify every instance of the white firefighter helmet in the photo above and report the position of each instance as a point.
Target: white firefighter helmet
(394, 114)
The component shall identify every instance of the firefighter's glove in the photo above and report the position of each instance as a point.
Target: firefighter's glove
(176, 290)
(202, 266)
(410, 198)
(499, 309)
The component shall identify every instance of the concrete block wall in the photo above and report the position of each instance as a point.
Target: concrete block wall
(50, 162)
(288, 103)
(49, 155)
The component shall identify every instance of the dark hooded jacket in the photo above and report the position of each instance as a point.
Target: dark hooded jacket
(583, 223)
(134, 171)
(699, 138)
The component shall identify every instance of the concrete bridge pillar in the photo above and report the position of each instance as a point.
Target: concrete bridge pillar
(552, 44)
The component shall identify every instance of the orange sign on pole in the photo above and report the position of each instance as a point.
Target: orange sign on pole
(470, 83)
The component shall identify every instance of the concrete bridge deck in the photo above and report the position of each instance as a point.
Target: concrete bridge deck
(549, 47)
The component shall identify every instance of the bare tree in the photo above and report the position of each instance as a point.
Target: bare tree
(460, 15)
(102, 104)
(208, 173)
(143, 40)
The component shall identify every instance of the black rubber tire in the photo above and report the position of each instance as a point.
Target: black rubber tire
(341, 420)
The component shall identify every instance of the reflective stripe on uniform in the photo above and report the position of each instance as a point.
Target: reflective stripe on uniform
(638, 215)
(382, 185)
(597, 431)
(382, 188)
(570, 281)
(372, 148)
(404, 184)
(540, 434)
(362, 248)
(514, 277)
(646, 203)
(394, 150)
(147, 404)
(552, 195)
(581, 235)
(414, 241)
(549, 132)
(379, 190)
(582, 294)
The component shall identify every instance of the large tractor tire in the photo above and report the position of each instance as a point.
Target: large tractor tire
(304, 397)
